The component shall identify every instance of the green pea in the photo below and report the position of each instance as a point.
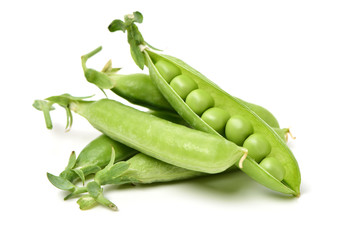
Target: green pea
(167, 70)
(274, 167)
(216, 118)
(258, 147)
(238, 129)
(183, 85)
(199, 100)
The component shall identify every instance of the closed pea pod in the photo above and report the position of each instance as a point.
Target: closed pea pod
(164, 140)
(139, 169)
(291, 181)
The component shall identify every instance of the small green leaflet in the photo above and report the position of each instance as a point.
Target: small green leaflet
(72, 161)
(117, 25)
(61, 183)
(94, 189)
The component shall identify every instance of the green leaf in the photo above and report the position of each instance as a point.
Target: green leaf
(107, 67)
(118, 169)
(94, 189)
(72, 161)
(115, 70)
(86, 202)
(136, 34)
(137, 55)
(117, 25)
(107, 176)
(80, 174)
(100, 79)
(90, 169)
(138, 17)
(61, 183)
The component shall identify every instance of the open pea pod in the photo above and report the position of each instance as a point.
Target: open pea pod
(279, 170)
(233, 106)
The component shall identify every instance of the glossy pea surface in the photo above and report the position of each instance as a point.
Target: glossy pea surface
(238, 129)
(258, 147)
(199, 100)
(167, 70)
(274, 167)
(183, 85)
(216, 118)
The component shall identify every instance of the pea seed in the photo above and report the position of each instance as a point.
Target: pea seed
(183, 85)
(199, 100)
(216, 118)
(258, 147)
(238, 129)
(167, 70)
(274, 167)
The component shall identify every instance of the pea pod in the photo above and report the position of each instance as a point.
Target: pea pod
(262, 141)
(139, 89)
(175, 144)
(94, 157)
(139, 169)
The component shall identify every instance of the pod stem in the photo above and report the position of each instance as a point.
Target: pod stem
(85, 57)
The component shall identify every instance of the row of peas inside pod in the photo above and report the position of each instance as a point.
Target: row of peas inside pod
(235, 128)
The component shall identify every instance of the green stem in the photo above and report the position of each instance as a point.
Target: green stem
(105, 202)
(85, 57)
(77, 191)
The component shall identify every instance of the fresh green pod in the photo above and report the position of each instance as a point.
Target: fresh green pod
(95, 156)
(170, 116)
(139, 169)
(291, 182)
(279, 150)
(143, 169)
(147, 96)
(139, 89)
(175, 144)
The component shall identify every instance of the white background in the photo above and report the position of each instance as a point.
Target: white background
(288, 56)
